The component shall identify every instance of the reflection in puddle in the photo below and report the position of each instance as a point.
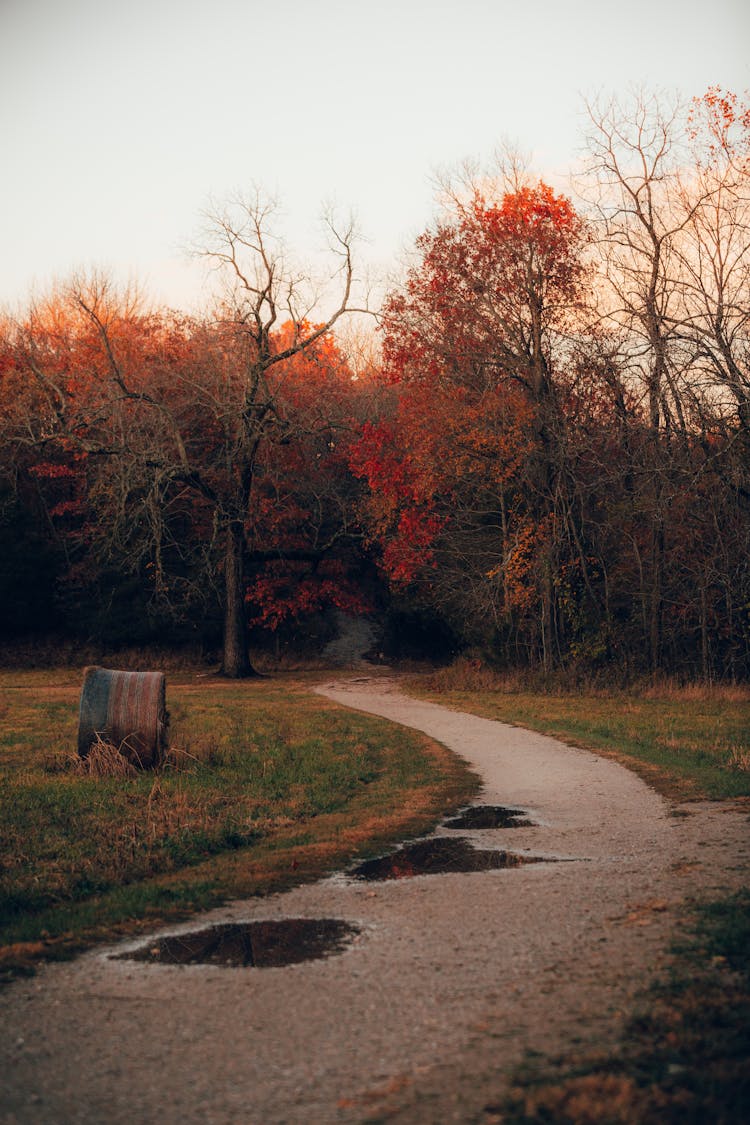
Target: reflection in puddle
(438, 856)
(489, 816)
(264, 945)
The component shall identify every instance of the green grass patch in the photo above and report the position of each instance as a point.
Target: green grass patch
(685, 1059)
(689, 743)
(265, 785)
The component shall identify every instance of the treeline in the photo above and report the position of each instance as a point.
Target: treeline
(548, 462)
(171, 478)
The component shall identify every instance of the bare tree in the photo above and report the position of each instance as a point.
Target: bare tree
(668, 189)
(261, 290)
(714, 254)
(632, 184)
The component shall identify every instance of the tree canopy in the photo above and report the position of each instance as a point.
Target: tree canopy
(547, 457)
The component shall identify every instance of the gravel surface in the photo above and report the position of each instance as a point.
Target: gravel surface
(451, 982)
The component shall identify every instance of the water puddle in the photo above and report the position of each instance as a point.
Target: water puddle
(489, 816)
(263, 945)
(438, 856)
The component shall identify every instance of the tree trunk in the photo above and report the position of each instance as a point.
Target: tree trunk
(705, 649)
(655, 608)
(236, 662)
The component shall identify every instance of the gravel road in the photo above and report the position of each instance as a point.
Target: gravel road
(451, 982)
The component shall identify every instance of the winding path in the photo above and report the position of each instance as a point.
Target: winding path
(451, 982)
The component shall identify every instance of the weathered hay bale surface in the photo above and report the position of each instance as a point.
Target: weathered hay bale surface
(126, 709)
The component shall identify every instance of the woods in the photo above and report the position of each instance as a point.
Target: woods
(182, 451)
(548, 461)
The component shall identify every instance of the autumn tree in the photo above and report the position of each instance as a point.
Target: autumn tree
(260, 291)
(466, 471)
(561, 467)
(30, 554)
(551, 451)
(74, 421)
(178, 418)
(303, 535)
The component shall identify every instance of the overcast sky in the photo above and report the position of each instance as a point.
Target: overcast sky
(119, 118)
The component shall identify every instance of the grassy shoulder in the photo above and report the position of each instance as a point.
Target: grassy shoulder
(266, 785)
(685, 1055)
(688, 743)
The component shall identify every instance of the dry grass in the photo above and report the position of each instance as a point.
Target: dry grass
(739, 759)
(590, 1100)
(472, 674)
(697, 692)
(103, 760)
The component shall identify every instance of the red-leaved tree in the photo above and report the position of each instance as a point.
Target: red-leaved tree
(464, 470)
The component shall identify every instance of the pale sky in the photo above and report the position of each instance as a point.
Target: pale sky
(119, 118)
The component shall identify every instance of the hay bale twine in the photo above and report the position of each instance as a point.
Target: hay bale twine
(127, 710)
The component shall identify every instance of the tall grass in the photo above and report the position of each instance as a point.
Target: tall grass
(474, 675)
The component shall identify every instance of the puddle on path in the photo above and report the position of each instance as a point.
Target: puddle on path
(438, 856)
(489, 816)
(264, 945)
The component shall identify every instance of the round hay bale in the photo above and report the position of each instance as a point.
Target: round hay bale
(127, 710)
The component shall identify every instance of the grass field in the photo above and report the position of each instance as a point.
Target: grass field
(265, 785)
(687, 742)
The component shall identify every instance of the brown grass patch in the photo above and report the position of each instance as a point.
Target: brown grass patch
(590, 1100)
(103, 760)
(474, 675)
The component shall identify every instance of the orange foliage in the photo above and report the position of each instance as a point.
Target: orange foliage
(134, 421)
(720, 123)
(464, 345)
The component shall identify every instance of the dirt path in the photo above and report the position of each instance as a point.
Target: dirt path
(355, 637)
(451, 982)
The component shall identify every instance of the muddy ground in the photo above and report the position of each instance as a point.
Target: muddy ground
(445, 983)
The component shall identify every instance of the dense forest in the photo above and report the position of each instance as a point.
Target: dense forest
(545, 459)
